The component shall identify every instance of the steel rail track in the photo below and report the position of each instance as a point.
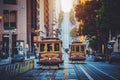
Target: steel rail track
(95, 74)
(78, 72)
(52, 74)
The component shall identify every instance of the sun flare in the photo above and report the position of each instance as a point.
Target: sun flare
(66, 5)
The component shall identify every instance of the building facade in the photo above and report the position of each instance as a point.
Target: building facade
(12, 24)
(25, 20)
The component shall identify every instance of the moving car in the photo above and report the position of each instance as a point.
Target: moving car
(17, 58)
(100, 57)
(114, 57)
(3, 55)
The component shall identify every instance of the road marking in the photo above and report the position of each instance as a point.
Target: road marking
(66, 67)
(103, 72)
(88, 76)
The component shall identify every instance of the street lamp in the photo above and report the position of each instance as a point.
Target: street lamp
(10, 30)
(9, 38)
(0, 18)
(0, 28)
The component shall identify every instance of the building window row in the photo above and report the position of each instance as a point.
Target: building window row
(14, 2)
(10, 19)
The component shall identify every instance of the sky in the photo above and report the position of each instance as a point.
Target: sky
(66, 5)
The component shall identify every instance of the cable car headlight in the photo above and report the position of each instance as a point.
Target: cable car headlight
(49, 58)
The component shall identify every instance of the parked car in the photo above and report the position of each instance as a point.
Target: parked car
(3, 55)
(114, 57)
(100, 57)
(17, 58)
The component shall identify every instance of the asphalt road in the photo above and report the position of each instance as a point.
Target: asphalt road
(88, 70)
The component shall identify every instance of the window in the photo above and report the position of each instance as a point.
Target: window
(72, 48)
(10, 1)
(42, 47)
(5, 38)
(82, 48)
(49, 47)
(56, 46)
(77, 48)
(10, 19)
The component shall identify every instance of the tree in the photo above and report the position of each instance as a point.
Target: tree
(72, 17)
(73, 32)
(108, 16)
(60, 19)
(93, 43)
(87, 13)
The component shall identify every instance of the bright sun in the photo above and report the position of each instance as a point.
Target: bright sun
(66, 5)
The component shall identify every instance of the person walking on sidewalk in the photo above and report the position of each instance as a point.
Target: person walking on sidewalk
(35, 50)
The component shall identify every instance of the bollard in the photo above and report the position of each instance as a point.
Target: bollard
(12, 70)
(16, 69)
(27, 65)
(31, 64)
(22, 67)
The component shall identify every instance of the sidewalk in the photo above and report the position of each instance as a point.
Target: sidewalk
(6, 61)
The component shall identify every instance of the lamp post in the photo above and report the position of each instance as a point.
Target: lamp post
(0, 30)
(0, 18)
(0, 21)
(111, 42)
(9, 13)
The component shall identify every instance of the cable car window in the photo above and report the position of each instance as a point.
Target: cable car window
(82, 48)
(56, 46)
(72, 48)
(77, 48)
(49, 47)
(42, 47)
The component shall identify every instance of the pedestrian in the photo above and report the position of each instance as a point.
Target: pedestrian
(87, 52)
(35, 51)
(26, 51)
(66, 50)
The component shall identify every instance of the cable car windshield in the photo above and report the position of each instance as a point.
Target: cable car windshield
(49, 47)
(56, 47)
(77, 49)
(42, 47)
(82, 48)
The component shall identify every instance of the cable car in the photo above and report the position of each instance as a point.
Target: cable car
(50, 51)
(77, 51)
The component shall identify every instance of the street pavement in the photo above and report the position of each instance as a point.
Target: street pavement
(88, 70)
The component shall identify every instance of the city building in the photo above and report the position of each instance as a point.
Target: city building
(27, 21)
(13, 23)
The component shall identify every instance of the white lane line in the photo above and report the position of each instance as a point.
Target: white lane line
(89, 77)
(103, 72)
